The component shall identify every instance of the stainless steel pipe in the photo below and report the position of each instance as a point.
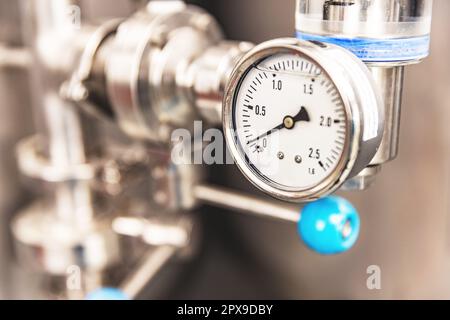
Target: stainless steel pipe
(146, 271)
(252, 205)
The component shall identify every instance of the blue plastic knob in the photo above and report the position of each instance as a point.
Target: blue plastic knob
(107, 294)
(329, 225)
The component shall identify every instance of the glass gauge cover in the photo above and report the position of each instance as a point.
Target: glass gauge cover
(295, 119)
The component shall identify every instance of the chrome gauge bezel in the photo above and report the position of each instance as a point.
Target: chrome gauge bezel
(356, 152)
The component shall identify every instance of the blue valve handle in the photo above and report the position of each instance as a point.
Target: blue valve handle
(107, 294)
(329, 225)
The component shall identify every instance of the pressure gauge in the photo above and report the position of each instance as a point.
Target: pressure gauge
(301, 117)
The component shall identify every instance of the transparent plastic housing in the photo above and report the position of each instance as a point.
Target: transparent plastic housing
(376, 19)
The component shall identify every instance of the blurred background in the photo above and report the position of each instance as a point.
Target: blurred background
(405, 216)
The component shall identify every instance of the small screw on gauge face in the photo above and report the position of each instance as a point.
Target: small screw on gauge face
(288, 122)
(280, 155)
(298, 159)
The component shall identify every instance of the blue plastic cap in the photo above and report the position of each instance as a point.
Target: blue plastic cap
(329, 225)
(107, 294)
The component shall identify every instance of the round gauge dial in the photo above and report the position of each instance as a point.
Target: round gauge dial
(300, 118)
(290, 121)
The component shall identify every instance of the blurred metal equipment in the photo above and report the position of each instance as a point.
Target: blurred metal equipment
(116, 206)
(11, 57)
(172, 72)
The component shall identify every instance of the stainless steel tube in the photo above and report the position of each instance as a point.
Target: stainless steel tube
(56, 41)
(151, 264)
(390, 83)
(11, 57)
(245, 203)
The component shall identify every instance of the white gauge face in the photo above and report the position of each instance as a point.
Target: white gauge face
(289, 121)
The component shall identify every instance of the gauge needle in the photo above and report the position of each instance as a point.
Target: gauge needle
(288, 123)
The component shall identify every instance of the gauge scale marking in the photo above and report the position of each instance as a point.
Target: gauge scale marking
(289, 121)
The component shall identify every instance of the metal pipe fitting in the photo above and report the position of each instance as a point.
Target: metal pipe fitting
(387, 35)
(207, 77)
(148, 53)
